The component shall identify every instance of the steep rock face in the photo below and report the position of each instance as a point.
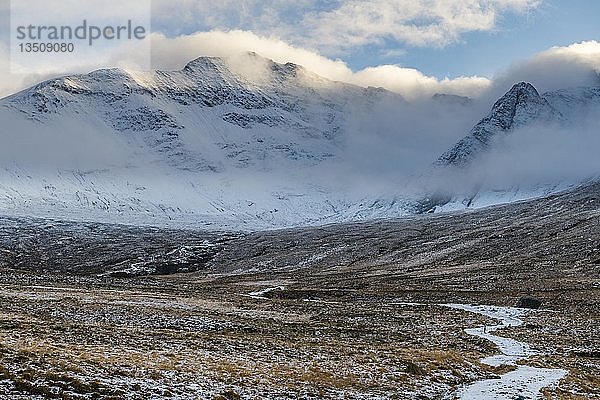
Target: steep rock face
(472, 180)
(520, 106)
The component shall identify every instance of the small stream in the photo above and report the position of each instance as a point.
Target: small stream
(525, 382)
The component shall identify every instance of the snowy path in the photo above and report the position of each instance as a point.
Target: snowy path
(523, 383)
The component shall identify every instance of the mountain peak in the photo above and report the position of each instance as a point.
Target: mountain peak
(203, 63)
(287, 69)
(521, 105)
(524, 88)
(521, 96)
(249, 66)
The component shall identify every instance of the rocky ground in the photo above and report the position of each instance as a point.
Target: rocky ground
(101, 311)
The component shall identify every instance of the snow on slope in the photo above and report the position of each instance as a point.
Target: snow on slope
(242, 143)
(235, 143)
(521, 106)
(529, 145)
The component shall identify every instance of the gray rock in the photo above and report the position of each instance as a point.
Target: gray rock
(529, 302)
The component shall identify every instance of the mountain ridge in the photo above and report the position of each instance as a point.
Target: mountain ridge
(219, 124)
(521, 105)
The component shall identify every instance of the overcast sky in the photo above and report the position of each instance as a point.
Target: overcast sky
(455, 46)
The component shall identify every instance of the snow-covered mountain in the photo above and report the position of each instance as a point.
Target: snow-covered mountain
(522, 125)
(240, 142)
(202, 118)
(522, 105)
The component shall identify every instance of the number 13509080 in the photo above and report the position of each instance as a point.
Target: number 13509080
(46, 47)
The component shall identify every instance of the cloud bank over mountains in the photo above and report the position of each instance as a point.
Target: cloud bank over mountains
(574, 65)
(315, 34)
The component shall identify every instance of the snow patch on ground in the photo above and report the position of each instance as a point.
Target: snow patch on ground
(260, 294)
(523, 383)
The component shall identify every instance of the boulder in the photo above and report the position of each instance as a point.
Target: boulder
(529, 302)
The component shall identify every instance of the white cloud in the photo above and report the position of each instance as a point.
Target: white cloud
(559, 67)
(414, 22)
(173, 53)
(413, 83)
(587, 53)
(334, 26)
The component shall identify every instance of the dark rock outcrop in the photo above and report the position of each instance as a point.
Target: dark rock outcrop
(529, 302)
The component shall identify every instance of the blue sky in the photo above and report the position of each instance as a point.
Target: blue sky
(517, 37)
(517, 32)
(356, 41)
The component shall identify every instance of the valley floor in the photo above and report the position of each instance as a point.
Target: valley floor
(200, 337)
(344, 311)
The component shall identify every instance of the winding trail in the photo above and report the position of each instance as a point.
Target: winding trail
(525, 382)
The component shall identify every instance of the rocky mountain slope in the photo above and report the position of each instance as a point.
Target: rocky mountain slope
(521, 106)
(246, 143)
(519, 138)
